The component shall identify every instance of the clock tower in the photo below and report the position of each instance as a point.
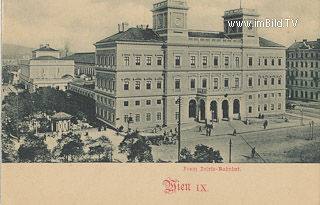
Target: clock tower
(170, 20)
(240, 23)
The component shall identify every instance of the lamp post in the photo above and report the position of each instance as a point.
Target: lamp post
(179, 124)
(230, 144)
(301, 116)
(130, 120)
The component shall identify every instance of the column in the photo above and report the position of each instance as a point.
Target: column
(208, 112)
(219, 110)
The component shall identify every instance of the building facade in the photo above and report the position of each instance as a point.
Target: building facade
(84, 63)
(229, 75)
(303, 59)
(46, 70)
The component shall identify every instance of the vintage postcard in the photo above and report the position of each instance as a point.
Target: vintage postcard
(160, 101)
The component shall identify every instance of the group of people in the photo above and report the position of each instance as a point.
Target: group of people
(208, 128)
(170, 136)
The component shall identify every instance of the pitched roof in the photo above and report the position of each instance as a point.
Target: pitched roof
(266, 43)
(134, 34)
(305, 45)
(46, 58)
(83, 58)
(207, 34)
(45, 48)
(61, 116)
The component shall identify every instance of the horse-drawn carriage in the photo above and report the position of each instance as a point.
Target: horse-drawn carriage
(157, 139)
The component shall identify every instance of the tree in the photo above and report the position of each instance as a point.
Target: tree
(9, 153)
(34, 149)
(100, 149)
(136, 148)
(202, 154)
(69, 147)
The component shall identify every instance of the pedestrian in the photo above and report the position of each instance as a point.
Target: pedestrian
(209, 131)
(253, 152)
(175, 130)
(264, 125)
(234, 132)
(200, 129)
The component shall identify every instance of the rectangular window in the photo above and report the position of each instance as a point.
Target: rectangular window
(226, 61)
(265, 107)
(193, 83)
(250, 82)
(138, 59)
(204, 83)
(193, 61)
(204, 61)
(138, 103)
(237, 62)
(159, 84)
(279, 106)
(178, 59)
(158, 102)
(279, 81)
(148, 85)
(301, 94)
(265, 61)
(159, 60)
(148, 117)
(279, 94)
(215, 83)
(215, 61)
(279, 61)
(148, 60)
(259, 108)
(272, 106)
(250, 109)
(272, 81)
(265, 81)
(306, 83)
(137, 85)
(159, 116)
(148, 102)
(250, 97)
(137, 117)
(177, 115)
(250, 61)
(259, 95)
(126, 85)
(306, 94)
(259, 82)
(272, 62)
(297, 64)
(272, 95)
(236, 83)
(306, 74)
(177, 84)
(126, 60)
(265, 95)
(301, 64)
(126, 103)
(226, 82)
(125, 118)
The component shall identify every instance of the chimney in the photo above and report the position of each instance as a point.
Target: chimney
(125, 26)
(119, 28)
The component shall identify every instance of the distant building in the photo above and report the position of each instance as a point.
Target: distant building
(46, 70)
(303, 59)
(84, 63)
(229, 75)
(45, 50)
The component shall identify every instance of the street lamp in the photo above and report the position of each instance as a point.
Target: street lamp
(130, 120)
(179, 124)
(301, 116)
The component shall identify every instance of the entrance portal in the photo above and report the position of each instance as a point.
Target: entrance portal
(225, 109)
(214, 110)
(192, 109)
(202, 110)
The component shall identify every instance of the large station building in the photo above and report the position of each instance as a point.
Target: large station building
(229, 75)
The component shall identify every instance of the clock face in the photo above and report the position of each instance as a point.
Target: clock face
(178, 20)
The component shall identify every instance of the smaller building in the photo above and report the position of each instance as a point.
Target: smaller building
(303, 59)
(61, 122)
(84, 63)
(46, 70)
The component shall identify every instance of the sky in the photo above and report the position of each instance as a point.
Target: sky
(81, 23)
